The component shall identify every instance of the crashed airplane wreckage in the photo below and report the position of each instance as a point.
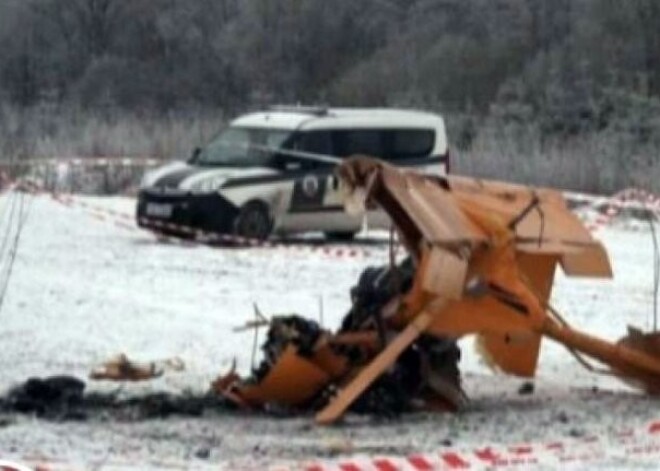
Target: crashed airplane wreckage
(482, 258)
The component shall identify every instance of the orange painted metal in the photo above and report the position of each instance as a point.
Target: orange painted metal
(485, 254)
(514, 237)
(291, 382)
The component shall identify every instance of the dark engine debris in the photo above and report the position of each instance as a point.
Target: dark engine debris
(425, 374)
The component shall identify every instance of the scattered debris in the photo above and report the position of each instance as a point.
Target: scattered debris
(56, 397)
(120, 368)
(62, 398)
(526, 388)
(482, 258)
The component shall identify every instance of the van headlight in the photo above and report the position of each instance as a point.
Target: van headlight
(208, 185)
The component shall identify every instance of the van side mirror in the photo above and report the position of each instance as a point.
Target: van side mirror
(195, 155)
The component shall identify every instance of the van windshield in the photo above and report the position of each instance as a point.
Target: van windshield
(243, 147)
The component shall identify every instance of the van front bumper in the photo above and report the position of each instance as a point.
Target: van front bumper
(183, 214)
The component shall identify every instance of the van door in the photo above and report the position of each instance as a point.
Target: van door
(316, 200)
(316, 203)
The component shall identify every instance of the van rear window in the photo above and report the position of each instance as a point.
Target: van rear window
(390, 144)
(411, 143)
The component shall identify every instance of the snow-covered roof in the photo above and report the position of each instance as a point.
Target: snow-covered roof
(340, 118)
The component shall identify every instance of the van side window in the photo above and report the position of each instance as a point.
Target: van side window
(314, 142)
(409, 143)
(367, 141)
(389, 144)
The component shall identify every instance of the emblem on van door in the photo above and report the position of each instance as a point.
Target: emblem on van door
(310, 185)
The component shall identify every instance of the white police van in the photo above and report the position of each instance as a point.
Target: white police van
(271, 172)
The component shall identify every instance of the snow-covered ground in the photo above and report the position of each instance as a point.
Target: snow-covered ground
(85, 289)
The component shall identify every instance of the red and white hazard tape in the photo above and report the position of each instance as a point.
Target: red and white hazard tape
(69, 200)
(615, 204)
(625, 445)
(630, 198)
(221, 239)
(201, 237)
(118, 218)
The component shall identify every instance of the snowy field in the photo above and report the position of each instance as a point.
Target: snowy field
(84, 289)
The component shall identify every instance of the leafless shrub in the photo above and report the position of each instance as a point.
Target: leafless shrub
(601, 162)
(69, 132)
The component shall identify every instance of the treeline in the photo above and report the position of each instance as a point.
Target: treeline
(526, 79)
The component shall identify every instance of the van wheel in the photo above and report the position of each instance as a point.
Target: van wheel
(341, 236)
(253, 221)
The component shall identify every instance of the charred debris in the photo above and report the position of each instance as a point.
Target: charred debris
(425, 374)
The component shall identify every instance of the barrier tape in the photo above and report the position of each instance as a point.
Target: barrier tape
(127, 221)
(209, 237)
(70, 201)
(201, 237)
(118, 218)
(621, 446)
(634, 198)
(630, 198)
(643, 443)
